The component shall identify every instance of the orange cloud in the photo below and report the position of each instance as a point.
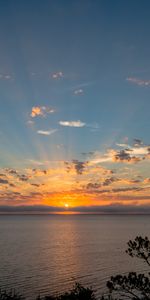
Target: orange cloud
(41, 111)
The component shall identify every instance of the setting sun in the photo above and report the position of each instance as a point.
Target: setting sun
(66, 205)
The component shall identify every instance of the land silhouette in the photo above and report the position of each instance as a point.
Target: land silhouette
(134, 286)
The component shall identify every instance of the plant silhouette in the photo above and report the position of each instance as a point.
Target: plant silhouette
(79, 292)
(134, 286)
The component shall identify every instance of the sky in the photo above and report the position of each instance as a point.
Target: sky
(75, 106)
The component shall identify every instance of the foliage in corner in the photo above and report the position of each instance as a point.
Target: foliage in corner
(134, 286)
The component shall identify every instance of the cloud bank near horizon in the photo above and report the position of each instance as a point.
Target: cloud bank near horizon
(116, 208)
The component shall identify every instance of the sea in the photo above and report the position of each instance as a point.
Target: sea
(47, 254)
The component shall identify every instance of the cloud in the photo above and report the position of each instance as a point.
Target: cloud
(137, 142)
(77, 123)
(105, 182)
(30, 122)
(99, 157)
(39, 172)
(124, 156)
(57, 75)
(41, 111)
(137, 149)
(12, 171)
(35, 162)
(31, 208)
(114, 208)
(129, 181)
(128, 155)
(132, 154)
(36, 111)
(23, 177)
(3, 181)
(126, 189)
(94, 127)
(47, 132)
(146, 180)
(35, 184)
(109, 181)
(78, 92)
(12, 185)
(68, 166)
(94, 186)
(79, 166)
(60, 146)
(15, 173)
(122, 145)
(6, 182)
(134, 197)
(140, 82)
(5, 76)
(87, 153)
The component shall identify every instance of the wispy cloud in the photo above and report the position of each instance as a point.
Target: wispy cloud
(30, 122)
(99, 157)
(78, 92)
(47, 132)
(35, 162)
(5, 76)
(86, 84)
(77, 123)
(122, 145)
(57, 75)
(94, 127)
(41, 111)
(138, 81)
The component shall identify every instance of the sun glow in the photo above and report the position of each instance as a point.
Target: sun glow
(66, 205)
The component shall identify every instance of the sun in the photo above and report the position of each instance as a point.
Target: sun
(66, 205)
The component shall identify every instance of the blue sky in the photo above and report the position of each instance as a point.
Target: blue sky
(74, 85)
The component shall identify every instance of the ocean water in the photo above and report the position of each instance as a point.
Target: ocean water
(47, 254)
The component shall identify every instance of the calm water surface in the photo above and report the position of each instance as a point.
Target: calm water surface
(47, 254)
